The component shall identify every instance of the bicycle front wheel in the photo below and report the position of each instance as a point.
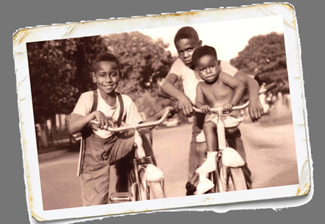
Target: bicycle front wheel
(238, 178)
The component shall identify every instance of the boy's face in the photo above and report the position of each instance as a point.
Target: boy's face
(208, 68)
(106, 76)
(185, 48)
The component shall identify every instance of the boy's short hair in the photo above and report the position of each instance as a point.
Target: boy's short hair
(203, 51)
(106, 56)
(186, 32)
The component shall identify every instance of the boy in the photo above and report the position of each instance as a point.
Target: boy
(217, 89)
(186, 41)
(103, 148)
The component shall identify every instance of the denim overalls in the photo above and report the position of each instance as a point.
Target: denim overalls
(97, 157)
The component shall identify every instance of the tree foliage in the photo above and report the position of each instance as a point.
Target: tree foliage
(265, 58)
(60, 70)
(141, 59)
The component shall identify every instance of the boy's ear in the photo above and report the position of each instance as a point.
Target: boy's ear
(93, 75)
(200, 43)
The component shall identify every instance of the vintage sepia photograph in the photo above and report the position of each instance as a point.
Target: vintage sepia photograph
(164, 114)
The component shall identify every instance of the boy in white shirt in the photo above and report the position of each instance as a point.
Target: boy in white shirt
(103, 148)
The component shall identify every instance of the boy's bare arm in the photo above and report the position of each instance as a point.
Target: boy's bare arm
(78, 122)
(237, 86)
(168, 88)
(199, 102)
(255, 108)
(161, 94)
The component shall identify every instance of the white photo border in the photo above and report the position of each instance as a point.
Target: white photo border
(74, 30)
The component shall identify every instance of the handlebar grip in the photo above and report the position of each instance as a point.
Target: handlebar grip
(268, 88)
(271, 86)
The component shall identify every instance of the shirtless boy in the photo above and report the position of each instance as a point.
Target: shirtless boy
(218, 89)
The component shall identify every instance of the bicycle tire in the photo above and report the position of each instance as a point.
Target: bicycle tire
(214, 178)
(136, 196)
(144, 188)
(222, 176)
(135, 192)
(238, 178)
(231, 185)
(156, 190)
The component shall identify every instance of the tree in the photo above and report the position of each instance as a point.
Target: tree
(60, 70)
(265, 58)
(142, 62)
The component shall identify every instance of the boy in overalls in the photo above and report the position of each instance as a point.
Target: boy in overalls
(101, 147)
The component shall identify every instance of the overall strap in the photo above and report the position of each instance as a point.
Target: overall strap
(95, 102)
(86, 131)
(119, 121)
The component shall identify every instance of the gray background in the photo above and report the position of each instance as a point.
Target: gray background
(20, 14)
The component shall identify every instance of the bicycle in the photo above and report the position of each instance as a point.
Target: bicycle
(229, 175)
(145, 181)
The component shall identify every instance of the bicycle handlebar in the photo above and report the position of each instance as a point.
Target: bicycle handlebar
(141, 125)
(240, 107)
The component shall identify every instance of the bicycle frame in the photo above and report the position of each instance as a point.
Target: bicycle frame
(222, 181)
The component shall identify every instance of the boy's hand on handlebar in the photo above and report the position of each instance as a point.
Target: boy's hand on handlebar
(205, 108)
(103, 121)
(255, 110)
(111, 123)
(228, 106)
(185, 105)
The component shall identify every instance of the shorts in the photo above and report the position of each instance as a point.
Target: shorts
(231, 121)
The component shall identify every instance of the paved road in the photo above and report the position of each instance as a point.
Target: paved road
(270, 154)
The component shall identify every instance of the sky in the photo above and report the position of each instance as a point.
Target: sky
(227, 37)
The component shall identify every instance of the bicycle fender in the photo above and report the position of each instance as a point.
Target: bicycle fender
(231, 158)
(153, 173)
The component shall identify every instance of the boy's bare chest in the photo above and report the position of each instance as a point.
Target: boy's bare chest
(217, 93)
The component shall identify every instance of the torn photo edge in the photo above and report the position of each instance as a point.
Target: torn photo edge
(74, 30)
